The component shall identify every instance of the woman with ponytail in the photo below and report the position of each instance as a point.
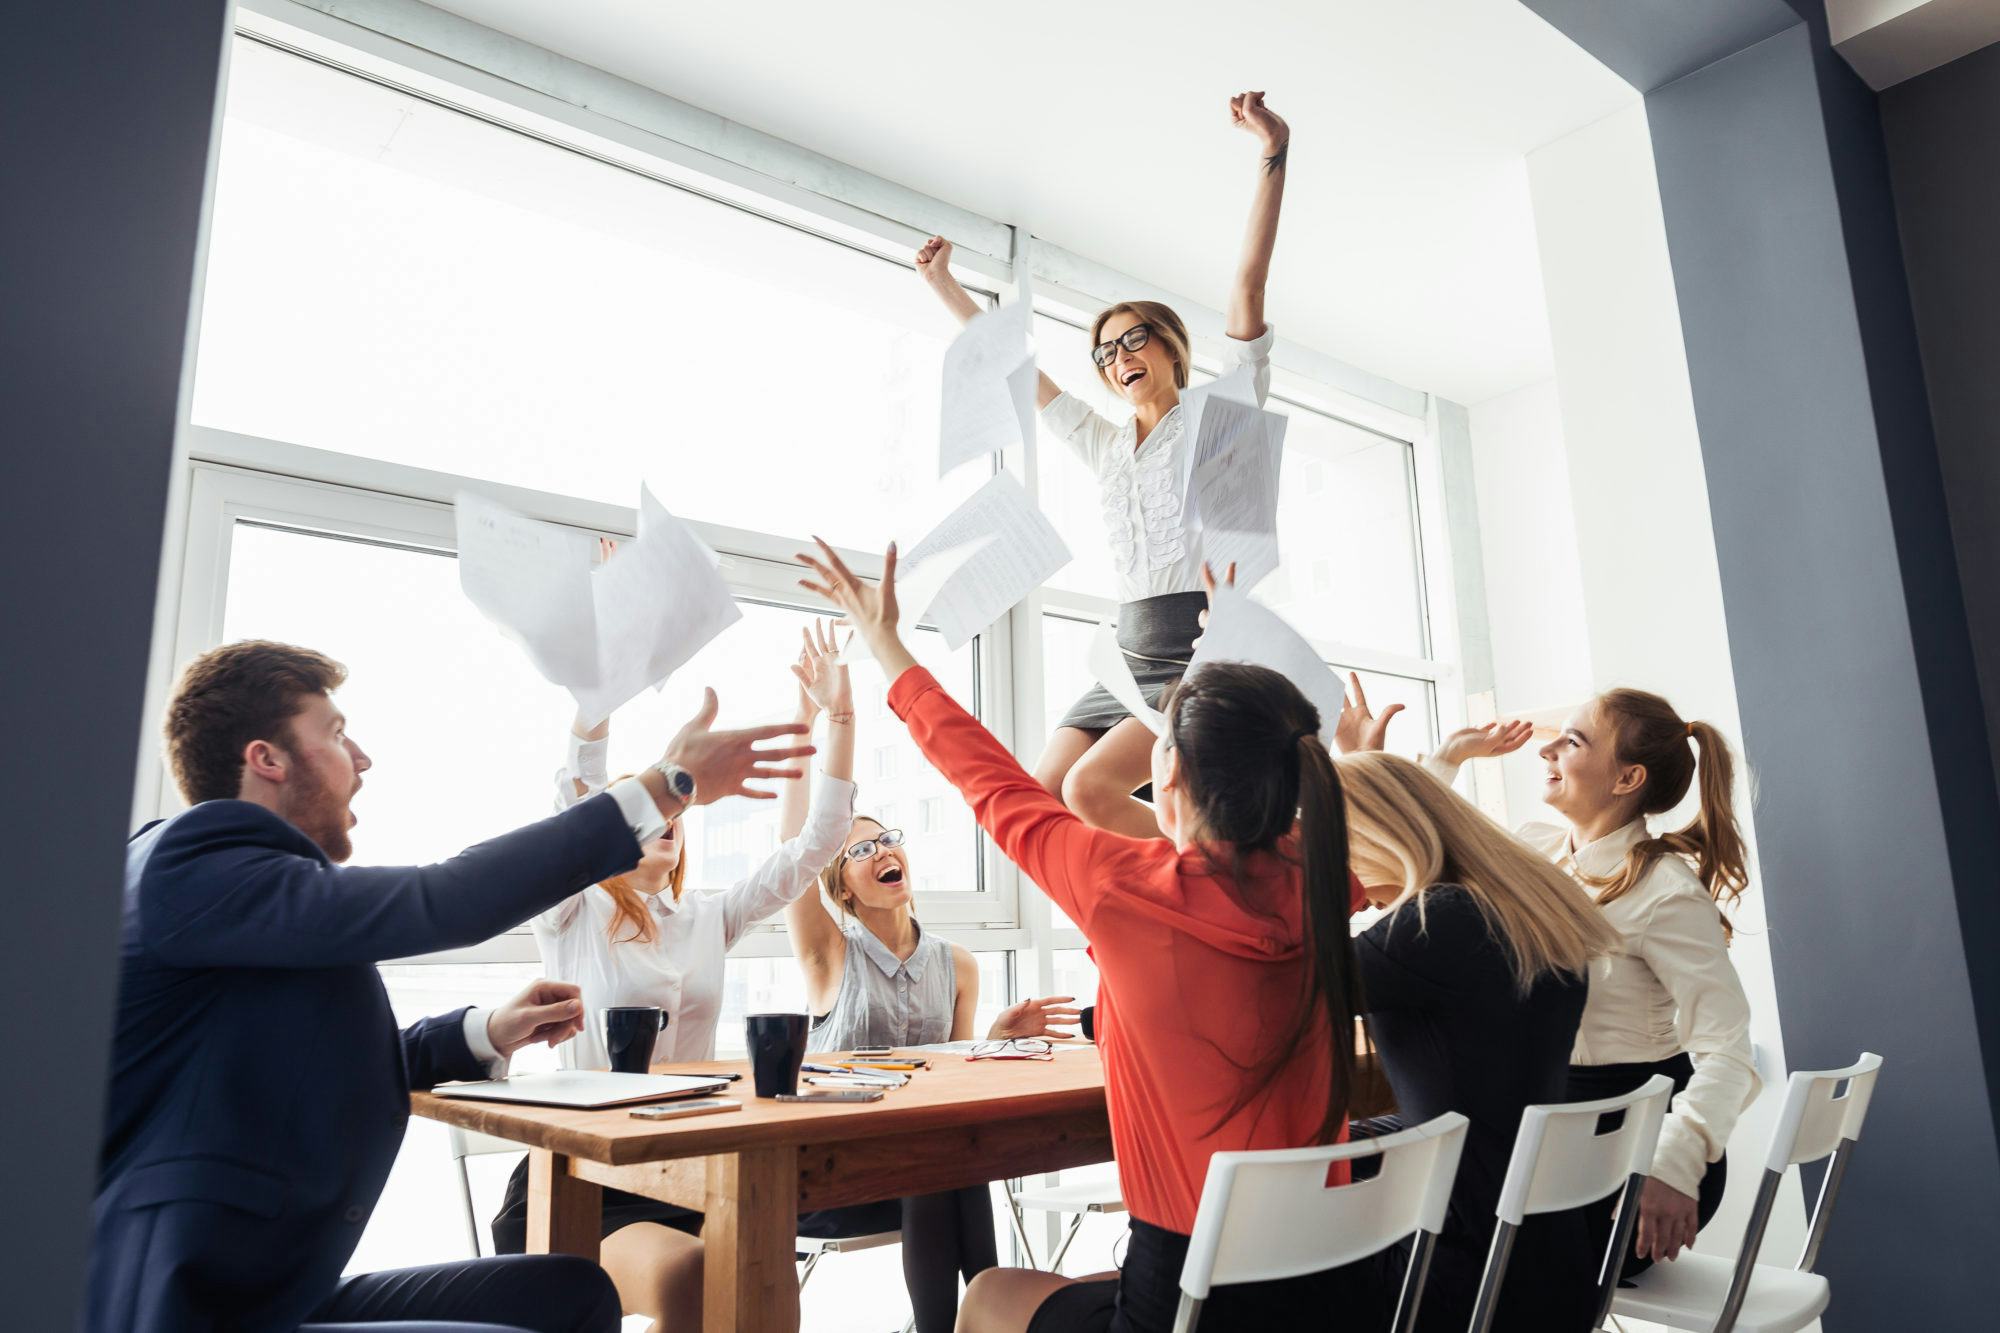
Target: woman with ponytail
(1667, 1000)
(1474, 982)
(1226, 995)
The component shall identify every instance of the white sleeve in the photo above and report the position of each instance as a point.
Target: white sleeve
(1076, 424)
(1253, 352)
(791, 870)
(1684, 945)
(480, 1043)
(584, 763)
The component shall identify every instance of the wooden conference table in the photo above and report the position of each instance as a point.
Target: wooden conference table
(752, 1172)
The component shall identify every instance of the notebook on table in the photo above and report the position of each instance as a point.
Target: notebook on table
(585, 1089)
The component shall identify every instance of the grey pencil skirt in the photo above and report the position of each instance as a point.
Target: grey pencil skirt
(1157, 636)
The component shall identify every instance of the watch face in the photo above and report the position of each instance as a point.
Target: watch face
(682, 781)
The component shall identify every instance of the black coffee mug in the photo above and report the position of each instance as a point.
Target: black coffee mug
(777, 1048)
(1087, 1020)
(630, 1033)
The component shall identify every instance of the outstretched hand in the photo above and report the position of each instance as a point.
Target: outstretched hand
(725, 762)
(825, 685)
(1247, 111)
(1487, 742)
(1037, 1018)
(1210, 586)
(1358, 728)
(870, 608)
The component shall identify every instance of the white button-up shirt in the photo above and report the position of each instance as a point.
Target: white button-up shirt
(1670, 987)
(1142, 490)
(681, 968)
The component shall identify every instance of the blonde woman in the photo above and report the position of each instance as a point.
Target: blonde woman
(644, 938)
(1667, 1000)
(1099, 753)
(1474, 984)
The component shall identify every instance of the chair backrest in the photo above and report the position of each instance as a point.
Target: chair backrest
(471, 1143)
(1270, 1215)
(1564, 1158)
(1815, 1121)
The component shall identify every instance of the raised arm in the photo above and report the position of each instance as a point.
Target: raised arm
(824, 687)
(934, 267)
(1260, 235)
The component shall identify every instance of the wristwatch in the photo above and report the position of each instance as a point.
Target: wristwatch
(679, 781)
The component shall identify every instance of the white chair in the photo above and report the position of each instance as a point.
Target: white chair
(1078, 1200)
(1564, 1158)
(1270, 1215)
(1822, 1117)
(471, 1143)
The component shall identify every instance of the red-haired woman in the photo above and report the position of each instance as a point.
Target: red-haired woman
(1099, 753)
(644, 939)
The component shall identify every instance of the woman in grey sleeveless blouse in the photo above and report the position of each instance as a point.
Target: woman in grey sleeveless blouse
(874, 977)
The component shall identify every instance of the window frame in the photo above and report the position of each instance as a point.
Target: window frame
(223, 476)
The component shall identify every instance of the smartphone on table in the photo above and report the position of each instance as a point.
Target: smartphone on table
(675, 1110)
(834, 1095)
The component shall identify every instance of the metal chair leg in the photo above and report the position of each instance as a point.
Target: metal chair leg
(465, 1198)
(1076, 1225)
(1187, 1315)
(812, 1262)
(1020, 1228)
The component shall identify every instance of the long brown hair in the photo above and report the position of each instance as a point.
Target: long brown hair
(1250, 752)
(629, 905)
(1166, 326)
(1406, 827)
(1646, 730)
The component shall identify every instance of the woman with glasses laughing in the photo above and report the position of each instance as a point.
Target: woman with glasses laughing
(875, 977)
(1099, 753)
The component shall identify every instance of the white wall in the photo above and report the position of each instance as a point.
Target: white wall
(1595, 522)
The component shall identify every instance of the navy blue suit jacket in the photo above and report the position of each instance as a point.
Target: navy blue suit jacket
(259, 1086)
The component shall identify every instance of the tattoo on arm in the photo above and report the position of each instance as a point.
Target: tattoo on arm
(1276, 161)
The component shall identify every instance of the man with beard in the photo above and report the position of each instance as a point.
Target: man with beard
(259, 1084)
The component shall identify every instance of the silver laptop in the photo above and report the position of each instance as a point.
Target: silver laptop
(585, 1089)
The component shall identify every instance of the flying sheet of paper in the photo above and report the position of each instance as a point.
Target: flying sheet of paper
(602, 633)
(1235, 488)
(658, 602)
(917, 586)
(1024, 553)
(1240, 630)
(1238, 386)
(988, 398)
(533, 581)
(1107, 663)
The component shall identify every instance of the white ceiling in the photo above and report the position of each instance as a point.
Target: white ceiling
(1408, 244)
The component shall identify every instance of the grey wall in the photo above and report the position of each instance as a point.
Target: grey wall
(1943, 136)
(1876, 814)
(108, 111)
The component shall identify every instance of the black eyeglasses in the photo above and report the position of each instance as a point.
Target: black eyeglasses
(881, 842)
(1131, 340)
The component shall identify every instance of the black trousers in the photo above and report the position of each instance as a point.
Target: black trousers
(519, 1293)
(1590, 1082)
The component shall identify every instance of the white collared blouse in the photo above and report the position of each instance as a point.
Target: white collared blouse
(1669, 988)
(1142, 490)
(681, 969)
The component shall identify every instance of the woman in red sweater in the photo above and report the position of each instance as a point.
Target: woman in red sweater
(1225, 968)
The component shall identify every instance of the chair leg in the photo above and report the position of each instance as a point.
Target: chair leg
(1076, 1225)
(465, 1198)
(1020, 1228)
(812, 1262)
(1414, 1278)
(1187, 1315)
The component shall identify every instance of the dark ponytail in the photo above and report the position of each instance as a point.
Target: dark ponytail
(1255, 768)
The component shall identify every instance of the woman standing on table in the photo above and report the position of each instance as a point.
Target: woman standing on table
(1098, 754)
(643, 939)
(1475, 981)
(876, 978)
(1226, 997)
(1667, 1001)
